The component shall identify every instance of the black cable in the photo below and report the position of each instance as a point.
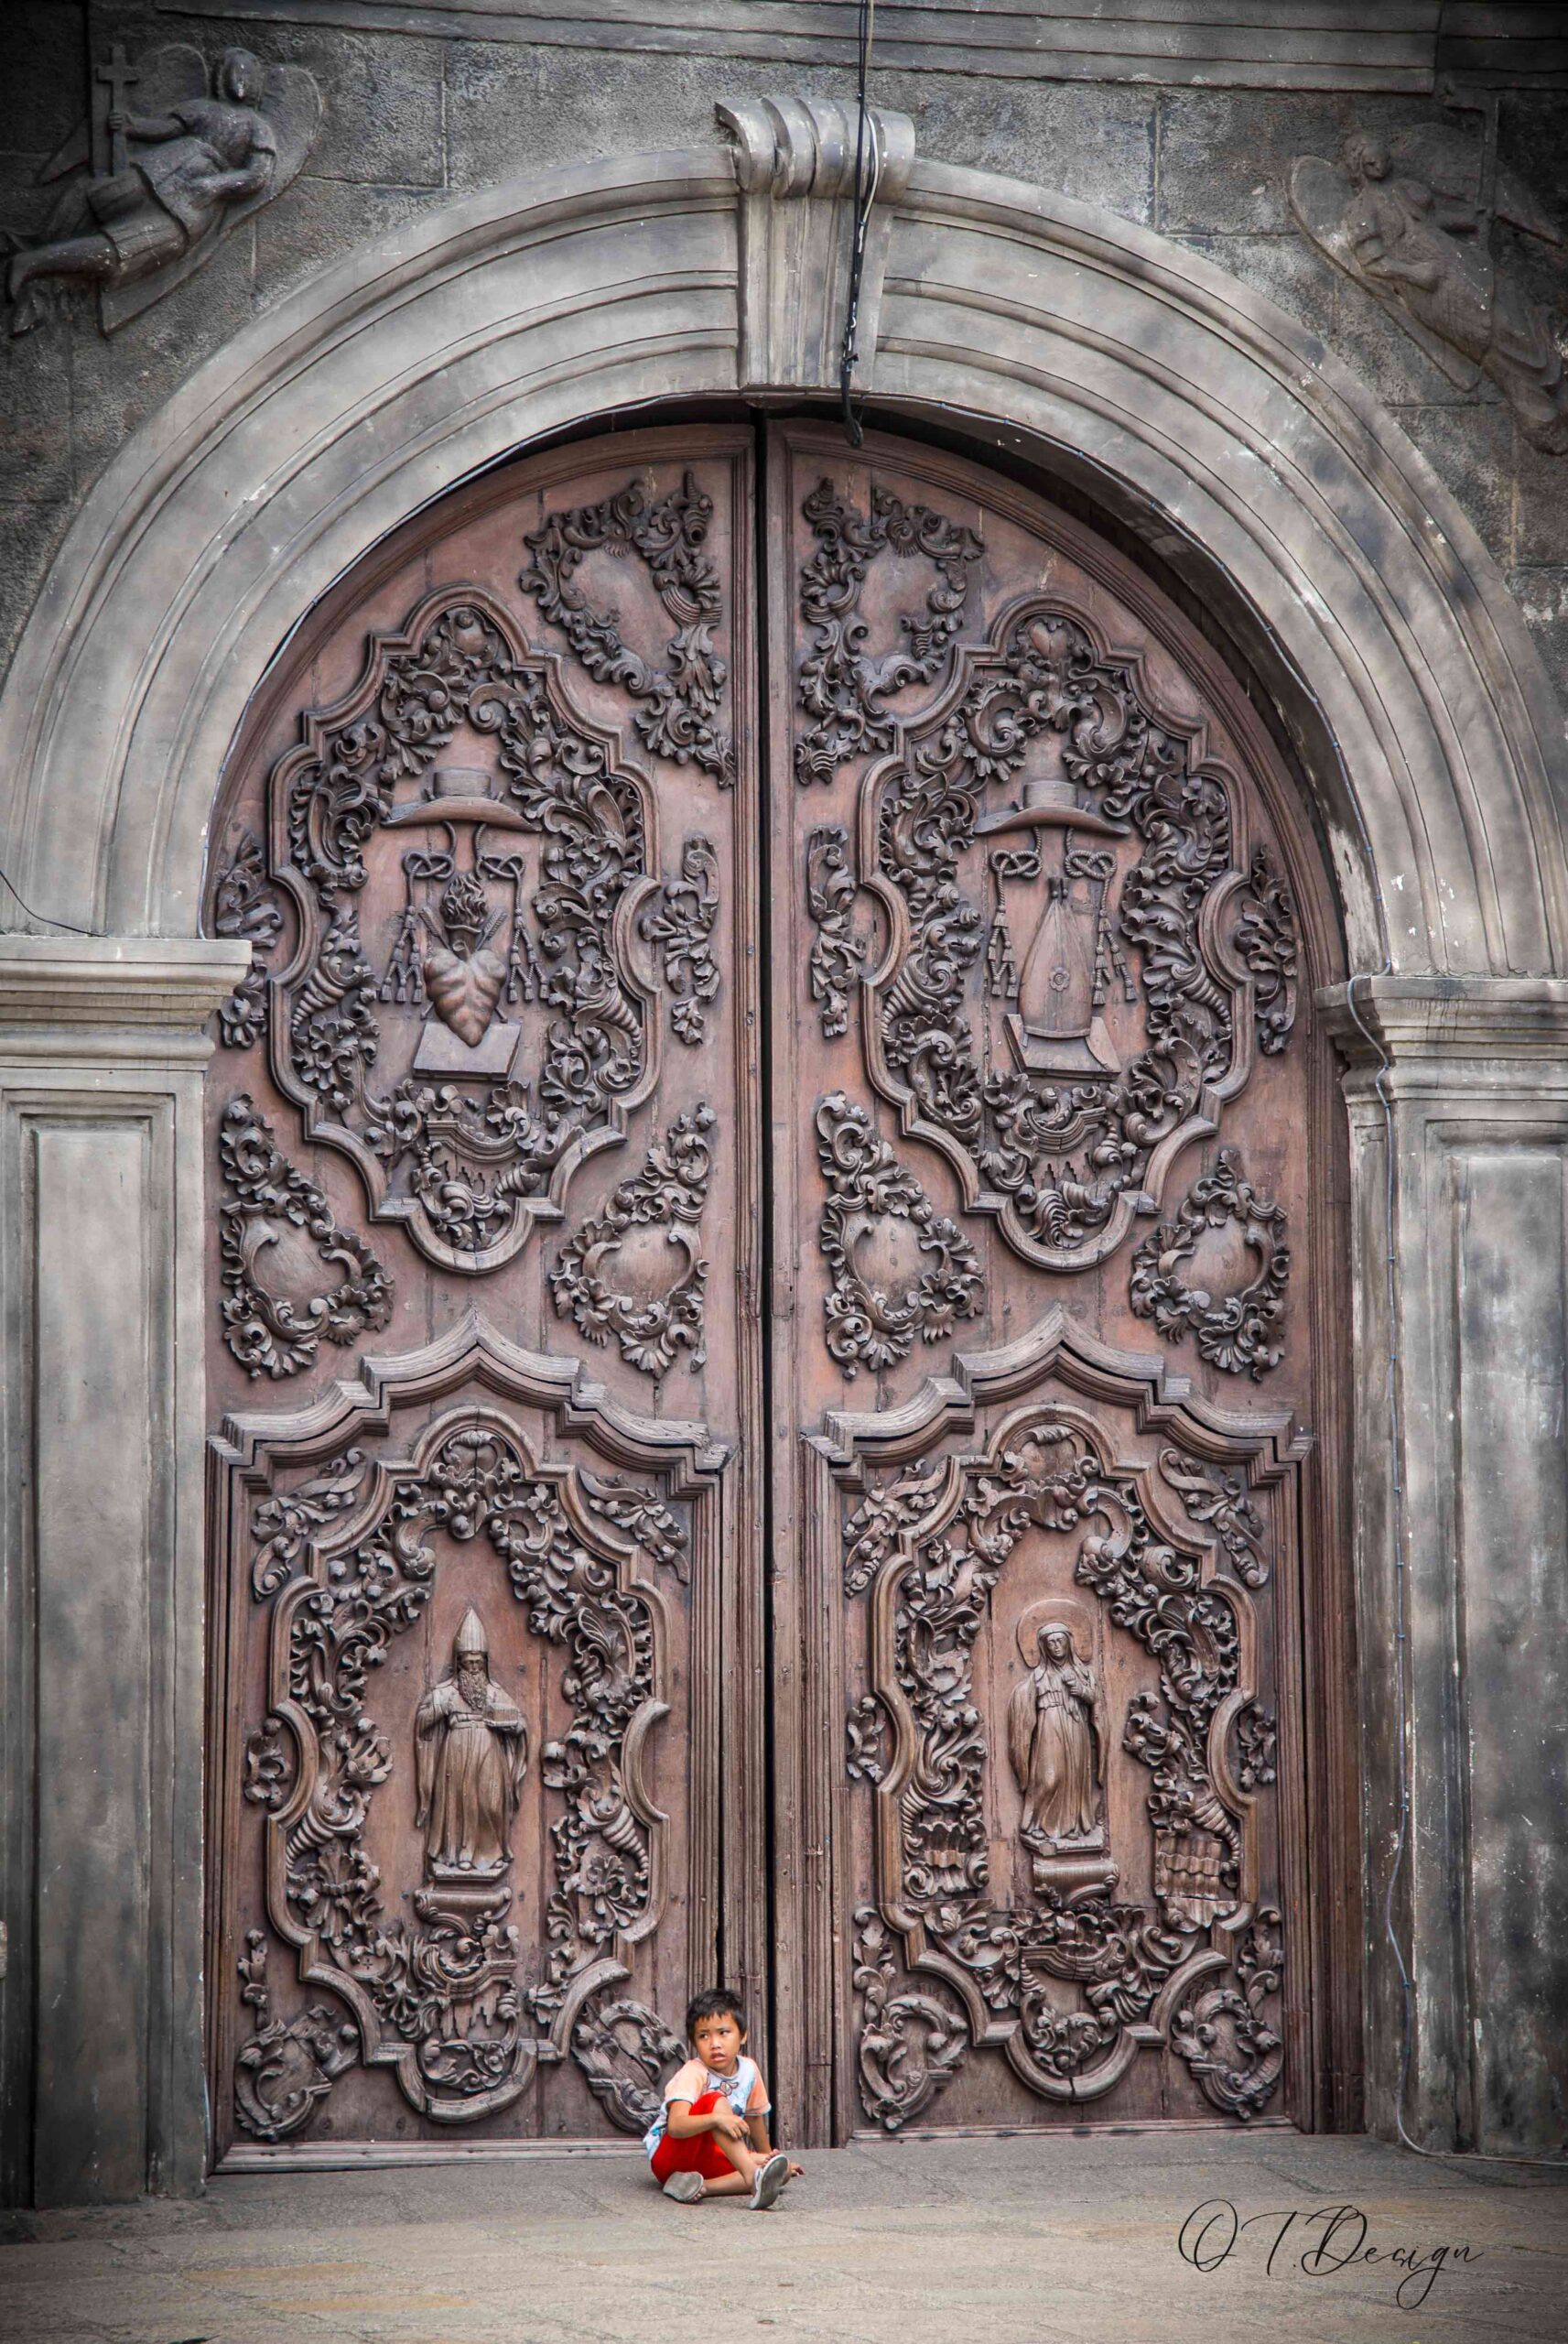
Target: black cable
(865, 196)
(49, 922)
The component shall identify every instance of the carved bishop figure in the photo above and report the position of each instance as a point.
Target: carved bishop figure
(471, 1743)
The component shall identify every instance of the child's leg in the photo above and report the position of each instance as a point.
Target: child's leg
(708, 2153)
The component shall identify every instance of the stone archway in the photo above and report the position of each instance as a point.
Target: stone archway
(1425, 723)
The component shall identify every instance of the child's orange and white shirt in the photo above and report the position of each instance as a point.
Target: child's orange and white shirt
(745, 2091)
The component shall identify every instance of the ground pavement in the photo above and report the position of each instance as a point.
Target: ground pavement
(1011, 2242)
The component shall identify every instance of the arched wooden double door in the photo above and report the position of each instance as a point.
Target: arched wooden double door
(767, 1262)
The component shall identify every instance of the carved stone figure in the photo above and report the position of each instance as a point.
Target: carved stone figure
(152, 191)
(1412, 221)
(473, 1755)
(1056, 1738)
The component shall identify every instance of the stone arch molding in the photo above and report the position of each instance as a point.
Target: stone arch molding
(1438, 754)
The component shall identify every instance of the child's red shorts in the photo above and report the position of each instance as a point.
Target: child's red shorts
(700, 2154)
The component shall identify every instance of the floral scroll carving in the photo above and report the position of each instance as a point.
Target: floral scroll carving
(626, 2051)
(246, 904)
(470, 1026)
(838, 954)
(435, 1983)
(682, 925)
(1068, 1004)
(676, 707)
(1234, 2053)
(1266, 941)
(843, 687)
(867, 1326)
(1074, 1978)
(287, 2066)
(668, 1193)
(263, 1197)
(912, 2044)
(1231, 1331)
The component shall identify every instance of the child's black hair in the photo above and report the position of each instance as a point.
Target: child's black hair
(716, 2002)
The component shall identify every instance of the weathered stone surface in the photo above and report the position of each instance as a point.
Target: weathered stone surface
(1472, 449)
(101, 1584)
(1477, 1084)
(1543, 595)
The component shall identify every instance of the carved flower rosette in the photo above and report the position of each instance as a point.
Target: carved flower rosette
(1086, 950)
(1111, 1941)
(467, 1014)
(461, 1980)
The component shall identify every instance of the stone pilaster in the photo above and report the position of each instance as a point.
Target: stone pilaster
(101, 1632)
(1462, 1282)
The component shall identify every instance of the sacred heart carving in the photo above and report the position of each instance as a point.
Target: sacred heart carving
(464, 992)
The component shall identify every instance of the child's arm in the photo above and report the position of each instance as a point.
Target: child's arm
(682, 2125)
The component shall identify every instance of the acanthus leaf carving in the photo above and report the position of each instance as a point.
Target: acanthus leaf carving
(838, 954)
(682, 923)
(1216, 1496)
(1223, 2034)
(626, 2052)
(246, 904)
(668, 1193)
(1231, 1331)
(843, 687)
(867, 1326)
(866, 1735)
(911, 2042)
(263, 1197)
(287, 2067)
(676, 707)
(284, 1523)
(1257, 1746)
(1266, 941)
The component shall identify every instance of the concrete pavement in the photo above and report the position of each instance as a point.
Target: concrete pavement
(1056, 2241)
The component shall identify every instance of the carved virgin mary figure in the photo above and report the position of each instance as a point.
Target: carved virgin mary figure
(471, 1753)
(1056, 1738)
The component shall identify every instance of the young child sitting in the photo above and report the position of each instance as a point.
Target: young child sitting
(711, 2138)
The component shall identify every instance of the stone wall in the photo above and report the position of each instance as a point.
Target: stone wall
(412, 120)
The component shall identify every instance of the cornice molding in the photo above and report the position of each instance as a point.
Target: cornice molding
(80, 983)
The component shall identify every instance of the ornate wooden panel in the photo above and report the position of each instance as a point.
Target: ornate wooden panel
(1046, 1108)
(484, 1149)
(1025, 1514)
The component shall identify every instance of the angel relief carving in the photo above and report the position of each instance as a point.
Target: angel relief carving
(1085, 1969)
(1414, 221)
(1083, 949)
(462, 1016)
(161, 173)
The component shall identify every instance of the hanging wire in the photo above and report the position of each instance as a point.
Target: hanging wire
(43, 917)
(868, 170)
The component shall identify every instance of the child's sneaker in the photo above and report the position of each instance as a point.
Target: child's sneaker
(686, 2189)
(770, 2181)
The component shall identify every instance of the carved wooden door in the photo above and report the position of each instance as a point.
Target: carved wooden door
(552, 1401)
(1044, 1109)
(486, 1555)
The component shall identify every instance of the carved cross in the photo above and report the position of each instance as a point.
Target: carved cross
(114, 79)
